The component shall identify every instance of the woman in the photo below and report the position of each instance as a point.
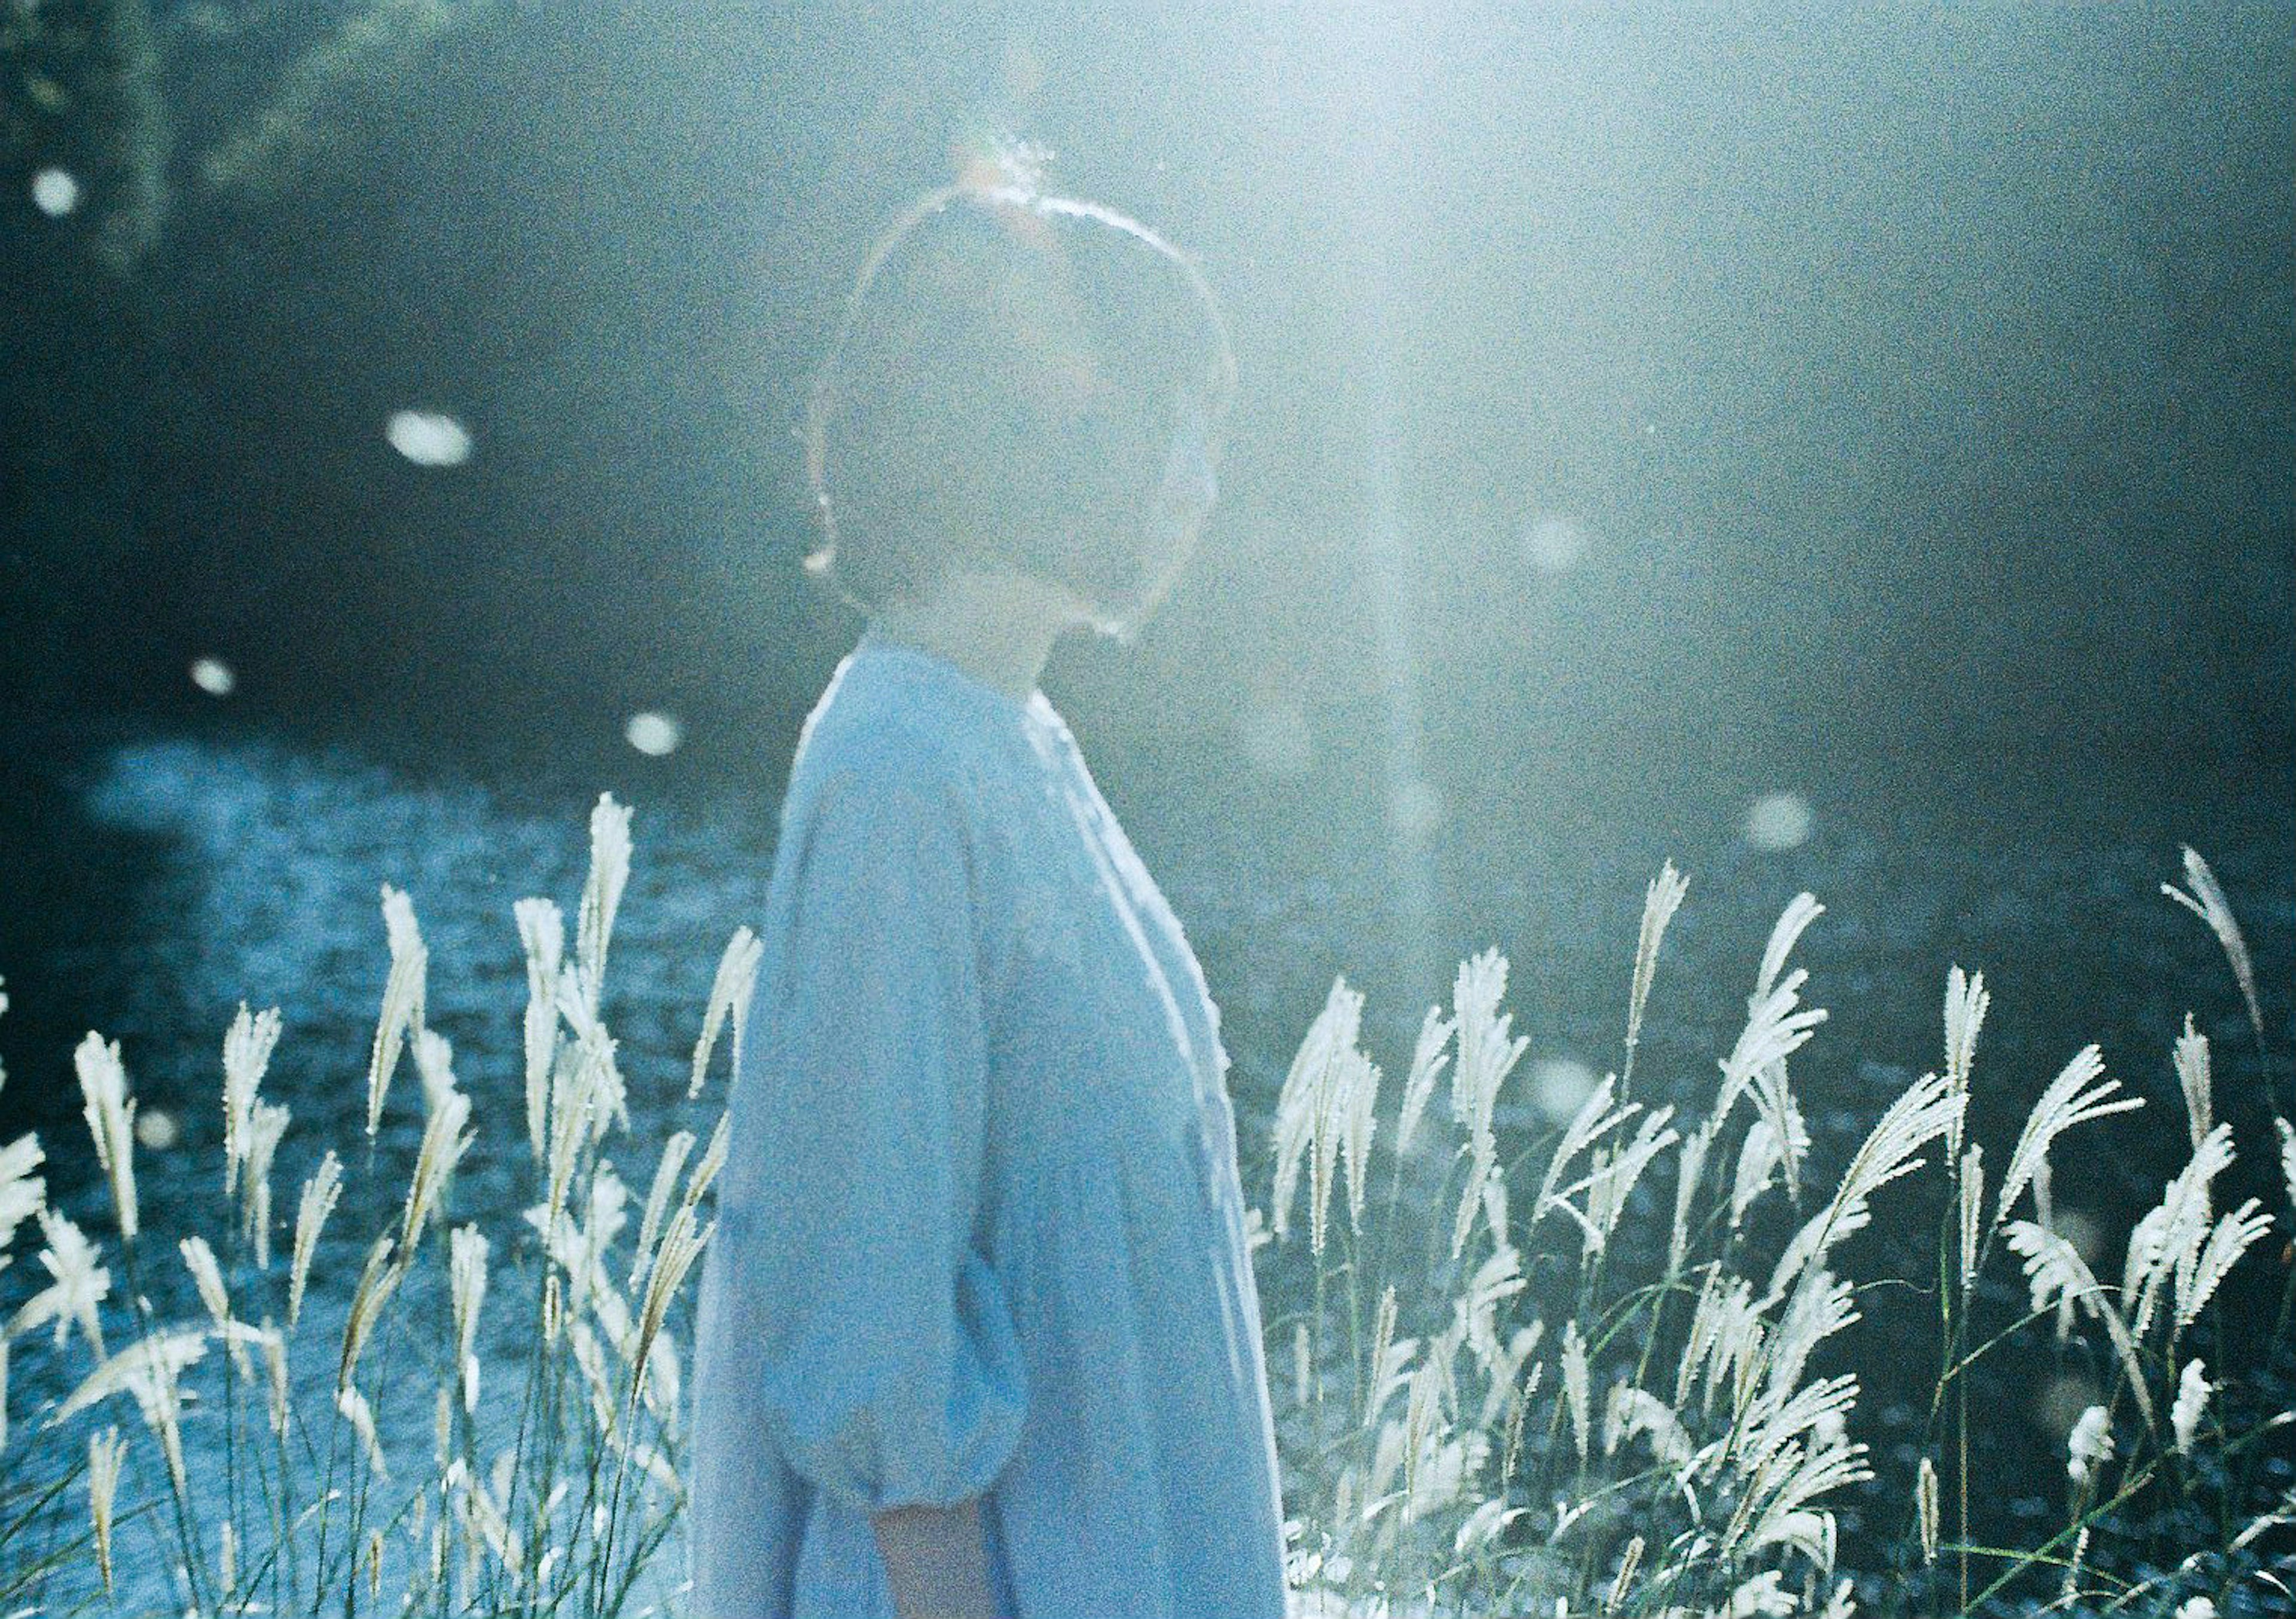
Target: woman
(978, 1333)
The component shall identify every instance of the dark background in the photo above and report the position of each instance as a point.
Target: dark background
(1918, 376)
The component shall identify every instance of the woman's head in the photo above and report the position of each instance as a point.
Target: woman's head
(1019, 382)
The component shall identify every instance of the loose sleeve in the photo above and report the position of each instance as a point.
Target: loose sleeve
(892, 1374)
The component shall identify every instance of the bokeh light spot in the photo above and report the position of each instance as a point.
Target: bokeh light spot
(1276, 738)
(1779, 821)
(428, 438)
(654, 734)
(2062, 1399)
(1415, 807)
(213, 676)
(156, 1128)
(1553, 545)
(2083, 1234)
(55, 193)
(1560, 1086)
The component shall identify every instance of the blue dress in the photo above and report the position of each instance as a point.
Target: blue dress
(980, 1227)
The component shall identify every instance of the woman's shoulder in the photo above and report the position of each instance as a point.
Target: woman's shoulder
(875, 736)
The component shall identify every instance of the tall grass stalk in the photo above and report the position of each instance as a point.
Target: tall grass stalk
(1532, 1423)
(333, 1514)
(1714, 1489)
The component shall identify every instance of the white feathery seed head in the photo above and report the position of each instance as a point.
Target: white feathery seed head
(1428, 1058)
(2207, 901)
(2192, 1062)
(402, 998)
(247, 1047)
(320, 1190)
(2193, 1391)
(729, 997)
(602, 894)
(1661, 900)
(2089, 1446)
(2078, 1094)
(111, 1116)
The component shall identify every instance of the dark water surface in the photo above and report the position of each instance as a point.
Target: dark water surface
(178, 876)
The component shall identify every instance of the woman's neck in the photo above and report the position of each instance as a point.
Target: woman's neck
(999, 628)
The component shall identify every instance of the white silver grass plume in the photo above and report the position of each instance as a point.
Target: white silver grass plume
(22, 1193)
(2193, 1391)
(713, 1159)
(1357, 1123)
(1726, 1340)
(602, 894)
(1505, 1369)
(542, 931)
(729, 997)
(1789, 1480)
(274, 1344)
(320, 1193)
(1966, 1003)
(105, 1451)
(1690, 1169)
(1785, 933)
(1609, 1187)
(207, 1277)
(1595, 1119)
(434, 1065)
(1428, 1058)
(1487, 1052)
(2287, 1157)
(1775, 1029)
(1632, 1411)
(77, 1284)
(247, 1047)
(681, 1245)
(1760, 1153)
(592, 1040)
(1382, 1333)
(1630, 1562)
(2167, 1243)
(402, 998)
(1776, 1026)
(1818, 1310)
(1575, 1390)
(1972, 1211)
(1926, 1111)
(2207, 901)
(2234, 1235)
(1482, 1191)
(577, 1111)
(444, 1143)
(466, 1247)
(111, 1115)
(2089, 1446)
(666, 1172)
(2057, 1273)
(149, 1369)
(1925, 1498)
(2072, 1098)
(353, 1405)
(378, 1277)
(1661, 900)
(1306, 1107)
(2191, 1060)
(1497, 1279)
(266, 1125)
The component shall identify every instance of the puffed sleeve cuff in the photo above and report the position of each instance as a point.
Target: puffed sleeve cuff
(928, 1417)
